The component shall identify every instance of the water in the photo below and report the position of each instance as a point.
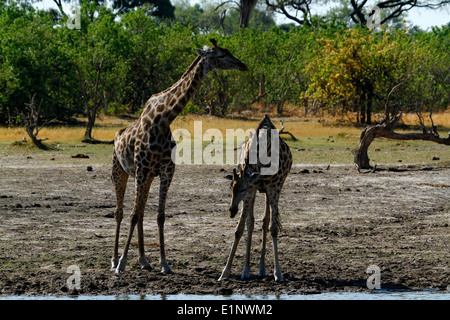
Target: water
(375, 295)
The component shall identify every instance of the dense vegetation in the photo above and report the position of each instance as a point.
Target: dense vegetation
(119, 58)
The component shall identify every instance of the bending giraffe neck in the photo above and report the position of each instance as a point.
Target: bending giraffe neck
(168, 104)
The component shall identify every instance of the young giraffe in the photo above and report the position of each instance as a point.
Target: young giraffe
(244, 185)
(143, 150)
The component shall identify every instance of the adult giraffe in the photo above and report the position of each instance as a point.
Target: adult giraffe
(143, 150)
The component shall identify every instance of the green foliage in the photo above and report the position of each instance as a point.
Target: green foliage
(33, 62)
(358, 70)
(209, 17)
(116, 61)
(192, 108)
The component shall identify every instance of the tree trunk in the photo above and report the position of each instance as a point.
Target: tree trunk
(37, 142)
(91, 114)
(31, 123)
(363, 113)
(280, 105)
(221, 98)
(386, 130)
(246, 8)
(369, 110)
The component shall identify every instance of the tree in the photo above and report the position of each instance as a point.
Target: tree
(285, 7)
(276, 60)
(142, 57)
(356, 10)
(31, 118)
(385, 129)
(244, 7)
(33, 63)
(356, 70)
(98, 56)
(423, 91)
(391, 8)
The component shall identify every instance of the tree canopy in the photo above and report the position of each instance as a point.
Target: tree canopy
(116, 60)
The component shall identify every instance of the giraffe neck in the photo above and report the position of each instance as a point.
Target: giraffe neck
(167, 105)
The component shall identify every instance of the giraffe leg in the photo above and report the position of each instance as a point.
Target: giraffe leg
(143, 183)
(166, 178)
(237, 237)
(250, 227)
(142, 258)
(119, 178)
(274, 228)
(265, 227)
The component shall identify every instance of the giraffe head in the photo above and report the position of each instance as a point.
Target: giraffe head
(220, 58)
(239, 186)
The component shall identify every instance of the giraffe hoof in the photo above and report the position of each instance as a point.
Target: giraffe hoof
(145, 265)
(262, 270)
(114, 263)
(278, 277)
(246, 274)
(148, 268)
(121, 266)
(225, 275)
(118, 271)
(166, 270)
(165, 266)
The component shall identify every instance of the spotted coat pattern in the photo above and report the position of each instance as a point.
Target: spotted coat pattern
(245, 182)
(143, 150)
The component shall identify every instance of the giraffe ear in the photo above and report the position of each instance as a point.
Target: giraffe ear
(201, 53)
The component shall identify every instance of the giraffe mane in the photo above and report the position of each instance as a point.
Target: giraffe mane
(191, 67)
(265, 123)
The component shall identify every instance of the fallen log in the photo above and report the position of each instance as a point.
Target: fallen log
(386, 130)
(95, 141)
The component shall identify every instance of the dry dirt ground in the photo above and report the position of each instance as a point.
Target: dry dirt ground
(335, 223)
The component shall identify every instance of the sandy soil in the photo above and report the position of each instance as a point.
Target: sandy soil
(335, 222)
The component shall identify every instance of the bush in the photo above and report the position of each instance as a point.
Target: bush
(115, 62)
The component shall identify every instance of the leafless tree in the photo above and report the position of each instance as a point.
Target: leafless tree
(295, 10)
(31, 119)
(300, 10)
(385, 129)
(395, 8)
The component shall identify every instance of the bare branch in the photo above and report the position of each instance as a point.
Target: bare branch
(285, 132)
(283, 7)
(395, 8)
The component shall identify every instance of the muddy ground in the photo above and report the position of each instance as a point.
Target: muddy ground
(335, 223)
